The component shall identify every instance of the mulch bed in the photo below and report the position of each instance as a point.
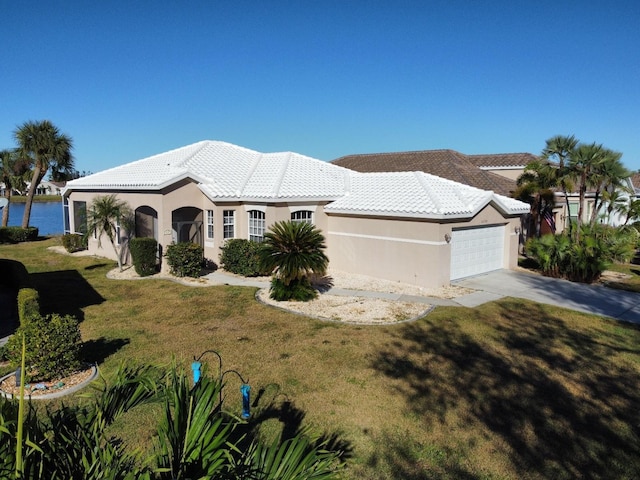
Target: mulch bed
(8, 385)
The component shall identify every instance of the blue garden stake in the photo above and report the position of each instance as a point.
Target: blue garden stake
(197, 373)
(245, 389)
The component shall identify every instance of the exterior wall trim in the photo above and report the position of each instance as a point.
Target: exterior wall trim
(391, 239)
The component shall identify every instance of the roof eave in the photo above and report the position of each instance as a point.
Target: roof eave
(384, 213)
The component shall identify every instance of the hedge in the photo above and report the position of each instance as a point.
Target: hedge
(144, 252)
(18, 234)
(185, 259)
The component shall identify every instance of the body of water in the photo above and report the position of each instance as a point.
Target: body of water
(47, 216)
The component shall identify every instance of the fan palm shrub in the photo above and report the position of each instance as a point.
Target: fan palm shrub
(195, 438)
(106, 215)
(292, 252)
(583, 260)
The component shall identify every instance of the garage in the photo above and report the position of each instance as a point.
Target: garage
(476, 250)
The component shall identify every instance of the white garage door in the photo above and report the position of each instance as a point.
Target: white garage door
(476, 250)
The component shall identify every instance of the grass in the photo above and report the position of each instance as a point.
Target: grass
(512, 389)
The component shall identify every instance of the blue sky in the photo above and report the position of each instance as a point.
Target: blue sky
(323, 78)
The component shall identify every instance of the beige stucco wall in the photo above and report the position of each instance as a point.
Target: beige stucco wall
(398, 249)
(511, 173)
(187, 194)
(405, 250)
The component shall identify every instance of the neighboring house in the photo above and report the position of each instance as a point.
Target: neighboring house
(495, 172)
(409, 227)
(45, 188)
(50, 188)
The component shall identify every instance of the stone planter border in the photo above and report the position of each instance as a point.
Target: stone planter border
(55, 393)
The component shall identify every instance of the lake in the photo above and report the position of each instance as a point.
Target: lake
(47, 216)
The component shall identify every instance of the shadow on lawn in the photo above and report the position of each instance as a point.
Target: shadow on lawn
(65, 292)
(552, 394)
(290, 417)
(98, 350)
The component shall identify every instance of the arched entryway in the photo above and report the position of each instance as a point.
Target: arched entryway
(146, 222)
(186, 223)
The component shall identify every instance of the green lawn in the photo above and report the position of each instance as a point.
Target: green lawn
(510, 390)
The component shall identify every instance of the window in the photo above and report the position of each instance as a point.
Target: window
(256, 225)
(210, 224)
(228, 224)
(573, 212)
(302, 216)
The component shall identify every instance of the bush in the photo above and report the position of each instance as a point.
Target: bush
(297, 290)
(583, 261)
(18, 234)
(143, 254)
(240, 256)
(52, 347)
(28, 304)
(72, 242)
(185, 259)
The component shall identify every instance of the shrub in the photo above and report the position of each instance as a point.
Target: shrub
(297, 290)
(240, 256)
(185, 259)
(143, 253)
(52, 346)
(72, 242)
(28, 304)
(584, 261)
(18, 234)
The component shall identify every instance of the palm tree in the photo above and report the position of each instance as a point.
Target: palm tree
(535, 186)
(608, 176)
(106, 214)
(45, 147)
(560, 148)
(584, 164)
(13, 171)
(293, 251)
(631, 210)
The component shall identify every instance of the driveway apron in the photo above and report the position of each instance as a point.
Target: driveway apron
(595, 299)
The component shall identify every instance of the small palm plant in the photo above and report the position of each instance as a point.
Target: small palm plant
(106, 213)
(293, 252)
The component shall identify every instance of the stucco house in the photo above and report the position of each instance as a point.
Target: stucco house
(411, 227)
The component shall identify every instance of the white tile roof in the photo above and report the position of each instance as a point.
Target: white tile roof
(418, 194)
(226, 172)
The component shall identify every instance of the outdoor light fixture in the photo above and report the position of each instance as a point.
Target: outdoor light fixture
(517, 230)
(245, 388)
(447, 237)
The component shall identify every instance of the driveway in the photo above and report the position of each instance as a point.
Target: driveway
(595, 299)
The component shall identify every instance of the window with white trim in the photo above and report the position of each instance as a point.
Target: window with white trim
(256, 225)
(210, 224)
(228, 224)
(302, 216)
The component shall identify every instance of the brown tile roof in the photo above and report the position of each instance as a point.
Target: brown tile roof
(635, 181)
(502, 159)
(442, 163)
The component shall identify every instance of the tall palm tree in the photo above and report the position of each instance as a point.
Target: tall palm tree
(559, 149)
(107, 213)
(608, 176)
(293, 251)
(43, 144)
(13, 171)
(583, 163)
(535, 186)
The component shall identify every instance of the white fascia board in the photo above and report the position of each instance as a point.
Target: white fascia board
(374, 213)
